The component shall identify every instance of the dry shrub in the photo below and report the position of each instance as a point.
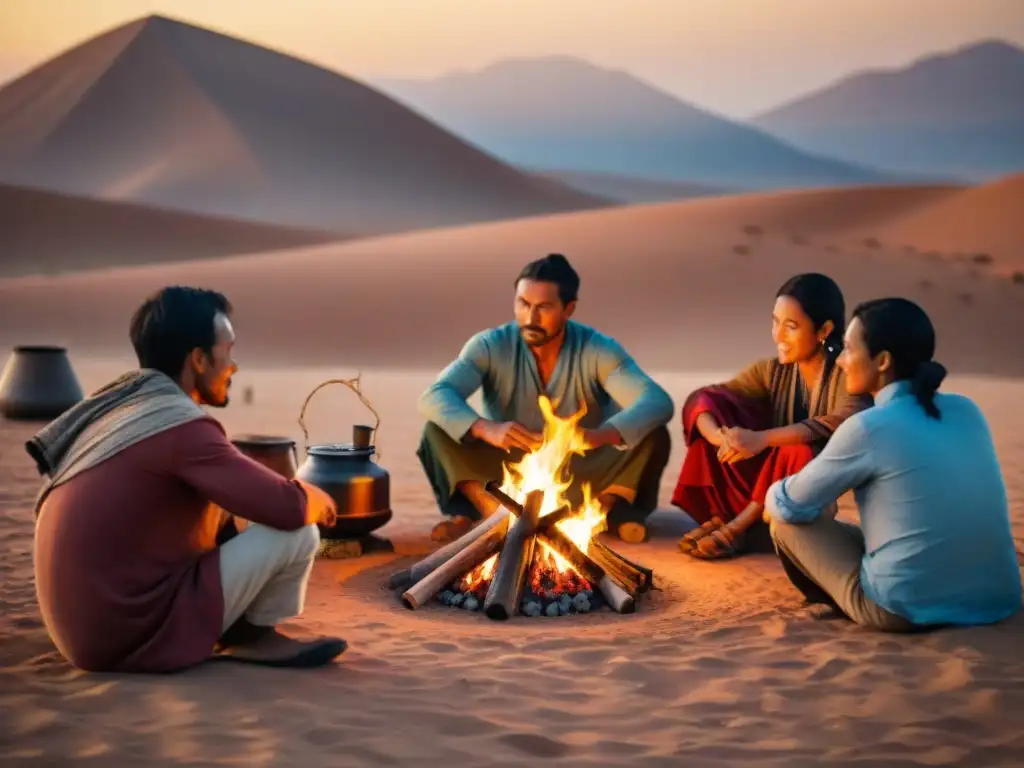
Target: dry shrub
(982, 258)
(740, 250)
(873, 243)
(753, 230)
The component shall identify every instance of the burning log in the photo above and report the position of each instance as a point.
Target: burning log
(494, 526)
(635, 577)
(576, 557)
(618, 598)
(469, 557)
(494, 488)
(506, 587)
(548, 522)
(641, 575)
(611, 566)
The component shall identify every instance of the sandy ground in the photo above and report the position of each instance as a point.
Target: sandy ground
(683, 285)
(48, 233)
(721, 666)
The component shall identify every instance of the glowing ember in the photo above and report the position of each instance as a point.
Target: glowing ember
(552, 579)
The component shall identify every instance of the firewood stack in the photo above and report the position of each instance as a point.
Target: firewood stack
(619, 580)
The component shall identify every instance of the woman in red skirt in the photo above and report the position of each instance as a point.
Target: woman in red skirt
(767, 422)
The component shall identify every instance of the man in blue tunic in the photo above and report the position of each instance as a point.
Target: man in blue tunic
(545, 353)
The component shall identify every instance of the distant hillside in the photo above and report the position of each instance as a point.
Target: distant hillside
(564, 113)
(164, 113)
(959, 113)
(46, 232)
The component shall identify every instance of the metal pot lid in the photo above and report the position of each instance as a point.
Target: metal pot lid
(340, 449)
(259, 441)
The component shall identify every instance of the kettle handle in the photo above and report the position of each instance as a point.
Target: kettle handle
(352, 384)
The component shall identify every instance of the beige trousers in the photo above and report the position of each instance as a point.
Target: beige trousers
(263, 573)
(823, 559)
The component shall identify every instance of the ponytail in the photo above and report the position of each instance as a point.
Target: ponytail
(902, 328)
(925, 383)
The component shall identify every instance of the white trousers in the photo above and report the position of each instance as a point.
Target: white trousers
(264, 572)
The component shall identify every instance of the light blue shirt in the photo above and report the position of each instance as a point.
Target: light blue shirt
(932, 506)
(593, 370)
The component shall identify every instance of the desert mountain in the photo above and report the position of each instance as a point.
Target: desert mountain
(45, 232)
(959, 113)
(565, 114)
(164, 113)
(685, 285)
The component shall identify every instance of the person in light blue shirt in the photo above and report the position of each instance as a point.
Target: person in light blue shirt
(544, 353)
(934, 546)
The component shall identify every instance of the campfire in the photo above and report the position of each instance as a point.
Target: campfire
(535, 555)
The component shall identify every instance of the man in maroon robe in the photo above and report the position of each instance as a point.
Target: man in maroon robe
(128, 573)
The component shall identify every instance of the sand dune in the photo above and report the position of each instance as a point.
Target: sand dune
(45, 232)
(685, 285)
(719, 667)
(630, 189)
(165, 113)
(987, 220)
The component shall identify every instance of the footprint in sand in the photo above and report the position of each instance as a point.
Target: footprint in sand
(463, 725)
(324, 737)
(589, 656)
(535, 745)
(440, 647)
(830, 670)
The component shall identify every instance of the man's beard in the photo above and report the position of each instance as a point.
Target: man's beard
(206, 396)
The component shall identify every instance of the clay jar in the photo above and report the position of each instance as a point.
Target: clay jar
(38, 384)
(272, 451)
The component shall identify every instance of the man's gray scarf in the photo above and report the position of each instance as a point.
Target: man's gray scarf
(135, 406)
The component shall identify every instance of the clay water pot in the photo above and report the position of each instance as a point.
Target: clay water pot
(348, 474)
(276, 453)
(272, 451)
(38, 384)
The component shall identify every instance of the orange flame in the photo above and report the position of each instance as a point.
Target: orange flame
(547, 469)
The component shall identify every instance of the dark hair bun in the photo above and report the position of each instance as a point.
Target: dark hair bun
(926, 381)
(929, 376)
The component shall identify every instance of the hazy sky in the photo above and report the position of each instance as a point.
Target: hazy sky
(733, 56)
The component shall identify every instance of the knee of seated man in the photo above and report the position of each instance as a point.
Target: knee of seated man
(432, 431)
(306, 541)
(300, 544)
